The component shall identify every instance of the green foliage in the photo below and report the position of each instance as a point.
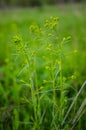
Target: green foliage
(49, 56)
(40, 76)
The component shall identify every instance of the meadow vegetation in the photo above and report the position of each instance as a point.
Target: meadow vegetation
(42, 68)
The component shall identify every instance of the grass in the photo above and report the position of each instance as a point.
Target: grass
(41, 72)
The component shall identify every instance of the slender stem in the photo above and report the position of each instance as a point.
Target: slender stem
(76, 97)
(34, 100)
(61, 82)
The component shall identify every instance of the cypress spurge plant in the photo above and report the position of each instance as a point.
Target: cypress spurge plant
(41, 60)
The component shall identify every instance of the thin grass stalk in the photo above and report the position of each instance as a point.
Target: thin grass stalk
(78, 114)
(82, 87)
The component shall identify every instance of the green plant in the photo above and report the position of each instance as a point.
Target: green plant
(16, 108)
(42, 73)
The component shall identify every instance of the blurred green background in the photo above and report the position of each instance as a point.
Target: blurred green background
(15, 18)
